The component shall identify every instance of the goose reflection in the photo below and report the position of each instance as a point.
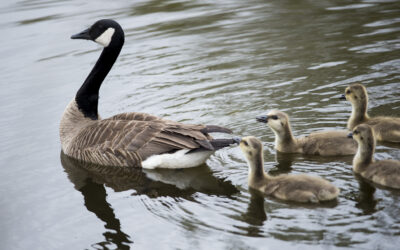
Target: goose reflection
(94, 195)
(91, 179)
(153, 183)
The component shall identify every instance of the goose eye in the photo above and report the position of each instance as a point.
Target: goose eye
(245, 143)
(348, 92)
(355, 132)
(274, 117)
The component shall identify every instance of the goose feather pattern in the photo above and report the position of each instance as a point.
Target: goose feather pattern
(128, 139)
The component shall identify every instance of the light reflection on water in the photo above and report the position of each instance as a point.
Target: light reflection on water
(210, 62)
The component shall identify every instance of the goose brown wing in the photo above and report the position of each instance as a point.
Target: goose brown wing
(136, 116)
(141, 138)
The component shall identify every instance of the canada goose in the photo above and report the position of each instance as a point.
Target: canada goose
(299, 188)
(326, 143)
(128, 139)
(385, 128)
(386, 172)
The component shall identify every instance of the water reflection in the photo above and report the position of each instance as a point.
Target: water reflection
(255, 215)
(365, 199)
(91, 179)
(95, 195)
(152, 183)
(285, 162)
(199, 62)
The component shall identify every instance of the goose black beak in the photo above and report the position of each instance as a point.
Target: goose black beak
(350, 135)
(237, 140)
(342, 97)
(262, 118)
(82, 35)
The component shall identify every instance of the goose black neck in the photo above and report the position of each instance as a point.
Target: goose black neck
(87, 96)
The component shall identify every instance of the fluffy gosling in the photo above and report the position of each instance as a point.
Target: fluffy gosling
(386, 128)
(298, 188)
(386, 172)
(325, 143)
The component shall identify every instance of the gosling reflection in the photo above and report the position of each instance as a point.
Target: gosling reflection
(255, 214)
(366, 201)
(285, 162)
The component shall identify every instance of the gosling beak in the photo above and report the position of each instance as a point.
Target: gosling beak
(350, 135)
(262, 118)
(237, 140)
(82, 35)
(342, 97)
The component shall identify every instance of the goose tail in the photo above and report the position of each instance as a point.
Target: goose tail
(222, 143)
(216, 144)
(215, 129)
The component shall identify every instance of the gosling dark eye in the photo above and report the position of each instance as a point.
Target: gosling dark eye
(348, 92)
(245, 143)
(355, 132)
(274, 117)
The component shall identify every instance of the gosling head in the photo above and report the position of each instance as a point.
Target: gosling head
(356, 94)
(103, 32)
(276, 120)
(252, 148)
(364, 135)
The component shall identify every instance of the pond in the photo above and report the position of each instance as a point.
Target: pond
(211, 62)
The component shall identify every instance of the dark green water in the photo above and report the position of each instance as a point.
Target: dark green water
(216, 62)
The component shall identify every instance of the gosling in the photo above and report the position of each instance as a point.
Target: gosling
(298, 188)
(386, 172)
(385, 128)
(325, 143)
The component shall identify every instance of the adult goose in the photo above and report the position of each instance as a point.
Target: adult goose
(385, 172)
(325, 143)
(128, 139)
(386, 128)
(298, 188)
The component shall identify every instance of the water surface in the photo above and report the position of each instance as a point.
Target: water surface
(216, 62)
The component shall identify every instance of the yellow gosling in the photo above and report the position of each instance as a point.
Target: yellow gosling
(298, 188)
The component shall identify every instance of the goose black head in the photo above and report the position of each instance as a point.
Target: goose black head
(103, 32)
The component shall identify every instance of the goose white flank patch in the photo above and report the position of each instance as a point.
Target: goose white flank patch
(128, 139)
(179, 159)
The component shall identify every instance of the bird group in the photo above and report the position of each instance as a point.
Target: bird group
(143, 140)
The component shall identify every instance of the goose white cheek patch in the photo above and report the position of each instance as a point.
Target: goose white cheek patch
(106, 37)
